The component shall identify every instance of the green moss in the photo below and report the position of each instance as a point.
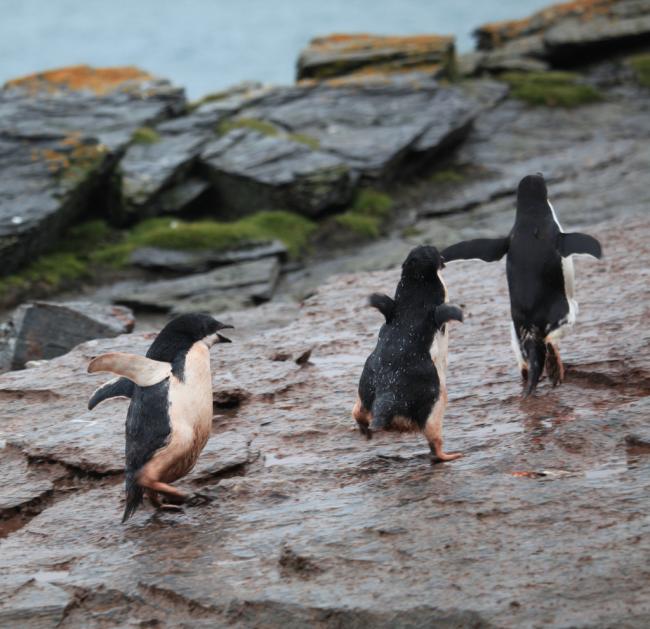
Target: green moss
(262, 126)
(359, 224)
(641, 66)
(145, 135)
(370, 202)
(553, 89)
(293, 230)
(308, 140)
(447, 176)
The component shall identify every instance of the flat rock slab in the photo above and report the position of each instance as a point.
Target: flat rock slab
(60, 133)
(306, 531)
(232, 286)
(361, 53)
(43, 330)
(175, 261)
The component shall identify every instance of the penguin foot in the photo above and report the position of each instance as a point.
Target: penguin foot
(554, 366)
(364, 429)
(168, 506)
(440, 457)
(197, 499)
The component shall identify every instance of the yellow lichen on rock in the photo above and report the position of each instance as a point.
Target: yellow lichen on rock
(82, 78)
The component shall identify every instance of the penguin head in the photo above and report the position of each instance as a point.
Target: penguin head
(422, 262)
(532, 194)
(182, 332)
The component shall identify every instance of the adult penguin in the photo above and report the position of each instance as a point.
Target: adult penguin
(170, 416)
(540, 278)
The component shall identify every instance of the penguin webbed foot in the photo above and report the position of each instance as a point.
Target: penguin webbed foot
(198, 499)
(439, 456)
(364, 429)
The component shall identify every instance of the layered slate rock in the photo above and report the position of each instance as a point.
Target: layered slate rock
(44, 330)
(253, 170)
(184, 262)
(232, 286)
(361, 54)
(60, 134)
(377, 131)
(561, 34)
(308, 517)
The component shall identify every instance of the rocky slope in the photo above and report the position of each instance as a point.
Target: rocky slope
(543, 522)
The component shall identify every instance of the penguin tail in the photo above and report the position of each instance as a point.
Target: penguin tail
(534, 351)
(134, 498)
(381, 415)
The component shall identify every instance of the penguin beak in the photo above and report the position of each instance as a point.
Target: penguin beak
(223, 339)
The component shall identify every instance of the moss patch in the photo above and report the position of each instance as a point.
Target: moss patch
(90, 249)
(552, 89)
(367, 214)
(145, 135)
(261, 126)
(641, 66)
(447, 176)
(308, 140)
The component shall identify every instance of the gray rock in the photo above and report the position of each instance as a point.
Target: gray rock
(198, 261)
(226, 287)
(253, 171)
(181, 196)
(44, 330)
(57, 146)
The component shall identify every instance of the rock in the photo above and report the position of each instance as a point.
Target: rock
(305, 534)
(60, 135)
(232, 286)
(378, 131)
(252, 170)
(562, 34)
(44, 330)
(180, 197)
(183, 262)
(345, 54)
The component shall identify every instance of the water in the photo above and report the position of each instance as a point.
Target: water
(206, 45)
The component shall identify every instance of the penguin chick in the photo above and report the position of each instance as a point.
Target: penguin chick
(170, 415)
(403, 384)
(540, 279)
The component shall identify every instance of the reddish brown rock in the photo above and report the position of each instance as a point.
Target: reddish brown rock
(542, 523)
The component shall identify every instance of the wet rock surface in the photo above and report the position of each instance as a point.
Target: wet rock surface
(542, 523)
(43, 330)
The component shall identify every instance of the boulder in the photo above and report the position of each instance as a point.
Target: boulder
(44, 330)
(361, 54)
(252, 170)
(60, 135)
(227, 287)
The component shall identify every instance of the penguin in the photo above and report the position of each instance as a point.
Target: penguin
(403, 383)
(540, 276)
(170, 415)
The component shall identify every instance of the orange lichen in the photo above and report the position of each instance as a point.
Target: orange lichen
(71, 158)
(346, 42)
(495, 34)
(82, 78)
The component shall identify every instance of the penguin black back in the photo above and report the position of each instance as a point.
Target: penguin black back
(540, 277)
(400, 383)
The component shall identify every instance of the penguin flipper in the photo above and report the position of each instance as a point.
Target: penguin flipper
(486, 249)
(383, 303)
(118, 387)
(447, 312)
(576, 242)
(144, 372)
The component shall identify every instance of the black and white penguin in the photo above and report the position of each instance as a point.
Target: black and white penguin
(170, 415)
(403, 384)
(540, 279)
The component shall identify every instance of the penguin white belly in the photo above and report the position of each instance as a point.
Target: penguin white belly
(439, 351)
(190, 413)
